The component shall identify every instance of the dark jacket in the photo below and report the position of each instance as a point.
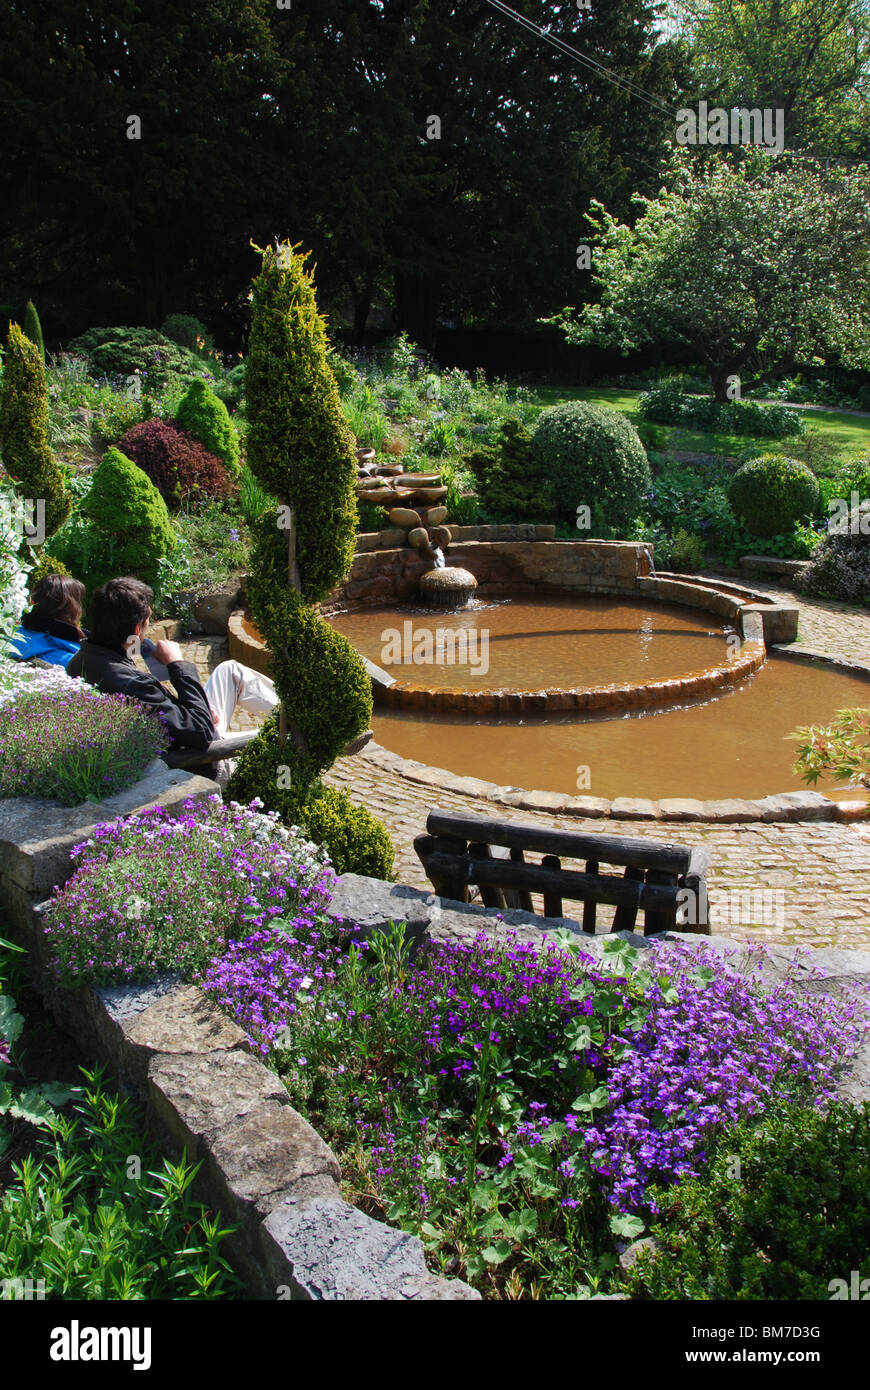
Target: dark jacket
(187, 714)
(47, 638)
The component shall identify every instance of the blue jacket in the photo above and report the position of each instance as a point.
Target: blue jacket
(46, 638)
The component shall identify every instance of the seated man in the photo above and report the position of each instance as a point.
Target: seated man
(51, 629)
(194, 715)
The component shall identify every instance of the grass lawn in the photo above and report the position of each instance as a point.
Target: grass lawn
(833, 438)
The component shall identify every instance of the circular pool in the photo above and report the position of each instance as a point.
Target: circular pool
(731, 742)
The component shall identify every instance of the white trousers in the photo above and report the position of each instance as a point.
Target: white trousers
(232, 686)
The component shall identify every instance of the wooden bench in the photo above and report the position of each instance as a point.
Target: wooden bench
(664, 881)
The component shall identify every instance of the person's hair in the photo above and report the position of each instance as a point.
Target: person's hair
(116, 608)
(59, 596)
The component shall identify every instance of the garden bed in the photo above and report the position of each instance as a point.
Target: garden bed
(484, 1096)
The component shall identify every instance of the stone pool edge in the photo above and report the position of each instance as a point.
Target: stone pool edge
(778, 807)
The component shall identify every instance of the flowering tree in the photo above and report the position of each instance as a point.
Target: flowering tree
(753, 266)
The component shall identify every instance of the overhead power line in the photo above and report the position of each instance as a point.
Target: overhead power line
(591, 63)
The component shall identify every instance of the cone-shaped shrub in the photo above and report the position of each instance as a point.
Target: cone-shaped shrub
(204, 415)
(301, 451)
(33, 328)
(128, 514)
(24, 445)
(299, 446)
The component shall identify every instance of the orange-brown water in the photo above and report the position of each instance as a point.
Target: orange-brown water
(733, 745)
(538, 644)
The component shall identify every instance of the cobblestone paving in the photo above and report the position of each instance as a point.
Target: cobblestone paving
(821, 869)
(824, 626)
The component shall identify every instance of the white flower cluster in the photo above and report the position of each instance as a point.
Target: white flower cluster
(13, 570)
(16, 677)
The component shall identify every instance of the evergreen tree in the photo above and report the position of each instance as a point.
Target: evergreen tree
(24, 445)
(33, 328)
(301, 451)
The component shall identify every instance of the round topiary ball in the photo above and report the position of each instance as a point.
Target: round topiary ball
(593, 457)
(769, 494)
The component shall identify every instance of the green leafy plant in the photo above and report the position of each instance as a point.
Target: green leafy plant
(592, 454)
(32, 327)
(687, 552)
(511, 479)
(204, 415)
(27, 457)
(841, 749)
(189, 332)
(300, 449)
(783, 1213)
(121, 527)
(769, 494)
(121, 352)
(75, 1220)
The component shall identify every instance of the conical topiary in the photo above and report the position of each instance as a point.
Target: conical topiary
(130, 519)
(204, 415)
(24, 445)
(33, 328)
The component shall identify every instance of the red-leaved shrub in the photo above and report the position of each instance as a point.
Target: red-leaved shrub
(179, 466)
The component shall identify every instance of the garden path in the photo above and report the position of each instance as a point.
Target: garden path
(823, 869)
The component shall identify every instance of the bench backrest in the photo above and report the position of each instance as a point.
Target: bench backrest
(664, 880)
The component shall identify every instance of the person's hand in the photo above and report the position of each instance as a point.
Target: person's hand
(165, 652)
(214, 717)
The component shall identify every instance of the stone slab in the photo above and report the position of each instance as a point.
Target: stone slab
(36, 835)
(634, 808)
(326, 1249)
(681, 808)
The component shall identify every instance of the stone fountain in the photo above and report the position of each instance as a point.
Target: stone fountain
(414, 502)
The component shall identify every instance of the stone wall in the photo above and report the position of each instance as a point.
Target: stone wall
(522, 563)
(206, 1096)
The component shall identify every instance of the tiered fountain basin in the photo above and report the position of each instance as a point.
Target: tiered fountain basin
(548, 655)
(706, 724)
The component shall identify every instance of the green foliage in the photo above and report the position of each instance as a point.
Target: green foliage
(189, 332)
(122, 352)
(45, 564)
(794, 1218)
(842, 749)
(592, 455)
(681, 272)
(512, 480)
(769, 494)
(33, 328)
(687, 552)
(128, 525)
(299, 446)
(27, 457)
(300, 450)
(668, 405)
(204, 415)
(73, 1217)
(354, 839)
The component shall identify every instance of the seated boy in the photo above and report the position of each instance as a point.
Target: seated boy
(195, 715)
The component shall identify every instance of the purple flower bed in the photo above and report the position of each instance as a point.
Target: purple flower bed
(64, 741)
(527, 1066)
(156, 892)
